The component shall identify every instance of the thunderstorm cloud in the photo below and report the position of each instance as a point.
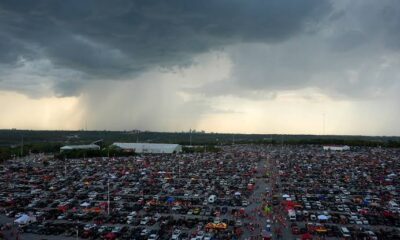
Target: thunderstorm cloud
(172, 64)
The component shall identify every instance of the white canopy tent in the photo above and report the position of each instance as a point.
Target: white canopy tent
(323, 217)
(25, 219)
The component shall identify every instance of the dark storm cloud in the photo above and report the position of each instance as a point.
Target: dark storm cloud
(354, 54)
(115, 39)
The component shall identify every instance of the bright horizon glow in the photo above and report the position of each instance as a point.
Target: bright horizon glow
(53, 113)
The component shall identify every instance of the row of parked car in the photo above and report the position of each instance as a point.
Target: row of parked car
(350, 194)
(137, 197)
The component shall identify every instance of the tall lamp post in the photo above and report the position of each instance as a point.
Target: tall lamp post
(108, 197)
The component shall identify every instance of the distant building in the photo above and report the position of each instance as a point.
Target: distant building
(149, 147)
(336, 148)
(79, 147)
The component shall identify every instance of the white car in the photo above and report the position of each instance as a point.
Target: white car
(102, 229)
(372, 235)
(157, 217)
(208, 236)
(268, 228)
(133, 214)
(117, 229)
(144, 232)
(153, 237)
(200, 235)
(176, 208)
(238, 223)
(144, 221)
(176, 234)
(89, 226)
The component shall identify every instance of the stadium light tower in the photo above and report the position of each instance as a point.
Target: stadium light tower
(108, 197)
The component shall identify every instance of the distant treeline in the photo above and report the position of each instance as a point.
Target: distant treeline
(22, 150)
(51, 141)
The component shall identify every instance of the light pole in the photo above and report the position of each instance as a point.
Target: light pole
(22, 145)
(108, 197)
(65, 166)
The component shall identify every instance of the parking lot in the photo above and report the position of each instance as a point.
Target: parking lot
(240, 192)
(350, 194)
(154, 196)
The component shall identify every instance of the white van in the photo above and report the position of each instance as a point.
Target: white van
(292, 215)
(393, 204)
(345, 232)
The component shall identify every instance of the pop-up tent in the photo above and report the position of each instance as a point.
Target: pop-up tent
(218, 226)
(24, 219)
(306, 236)
(85, 204)
(322, 217)
(170, 200)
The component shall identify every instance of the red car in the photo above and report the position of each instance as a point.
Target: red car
(295, 229)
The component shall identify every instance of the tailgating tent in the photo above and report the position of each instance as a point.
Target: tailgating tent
(322, 217)
(364, 211)
(110, 236)
(306, 236)
(242, 211)
(321, 230)
(237, 194)
(216, 226)
(289, 205)
(85, 204)
(267, 209)
(266, 235)
(24, 219)
(366, 202)
(170, 200)
(285, 196)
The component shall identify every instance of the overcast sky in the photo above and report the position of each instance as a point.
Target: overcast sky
(254, 66)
